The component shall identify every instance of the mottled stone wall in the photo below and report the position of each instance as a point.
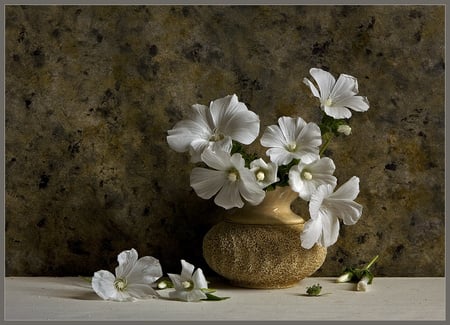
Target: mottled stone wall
(92, 90)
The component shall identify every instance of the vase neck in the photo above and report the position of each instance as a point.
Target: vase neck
(274, 209)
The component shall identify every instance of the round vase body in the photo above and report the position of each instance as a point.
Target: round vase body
(259, 246)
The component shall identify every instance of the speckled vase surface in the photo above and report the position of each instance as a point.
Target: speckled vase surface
(259, 246)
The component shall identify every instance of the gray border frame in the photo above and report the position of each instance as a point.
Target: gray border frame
(192, 2)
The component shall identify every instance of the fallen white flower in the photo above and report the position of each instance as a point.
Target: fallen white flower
(363, 284)
(189, 284)
(133, 278)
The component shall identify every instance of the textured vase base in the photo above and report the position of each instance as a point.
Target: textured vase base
(260, 256)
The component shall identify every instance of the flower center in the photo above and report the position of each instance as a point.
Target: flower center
(233, 176)
(307, 175)
(260, 175)
(120, 284)
(217, 136)
(187, 284)
(328, 102)
(291, 147)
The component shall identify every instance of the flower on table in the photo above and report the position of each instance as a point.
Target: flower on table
(214, 127)
(189, 285)
(306, 178)
(292, 138)
(337, 97)
(265, 173)
(132, 280)
(228, 178)
(326, 208)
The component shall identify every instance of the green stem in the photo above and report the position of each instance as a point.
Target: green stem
(371, 262)
(327, 142)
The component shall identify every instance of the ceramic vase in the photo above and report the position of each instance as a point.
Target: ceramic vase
(259, 246)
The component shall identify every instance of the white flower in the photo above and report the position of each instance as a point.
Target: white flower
(336, 97)
(214, 127)
(229, 178)
(305, 178)
(265, 173)
(345, 129)
(292, 138)
(326, 208)
(189, 284)
(133, 278)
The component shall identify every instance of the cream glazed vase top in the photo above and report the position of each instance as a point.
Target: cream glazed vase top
(259, 246)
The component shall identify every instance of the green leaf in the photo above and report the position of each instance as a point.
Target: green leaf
(358, 274)
(211, 297)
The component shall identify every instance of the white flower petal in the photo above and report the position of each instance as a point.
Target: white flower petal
(295, 179)
(103, 284)
(207, 182)
(312, 87)
(179, 139)
(223, 108)
(179, 295)
(322, 167)
(199, 280)
(291, 128)
(337, 112)
(126, 260)
(330, 229)
(201, 115)
(242, 127)
(237, 161)
(228, 196)
(280, 156)
(311, 233)
(258, 163)
(273, 137)
(197, 126)
(189, 296)
(146, 271)
(310, 136)
(356, 103)
(196, 149)
(176, 281)
(186, 270)
(219, 160)
(347, 191)
(346, 86)
(223, 145)
(324, 80)
(307, 154)
(347, 210)
(249, 188)
(140, 291)
(195, 295)
(317, 198)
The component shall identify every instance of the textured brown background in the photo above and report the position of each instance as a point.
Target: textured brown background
(92, 90)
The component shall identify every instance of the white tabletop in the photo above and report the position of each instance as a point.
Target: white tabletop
(71, 298)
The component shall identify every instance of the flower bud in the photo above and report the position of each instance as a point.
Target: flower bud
(345, 129)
